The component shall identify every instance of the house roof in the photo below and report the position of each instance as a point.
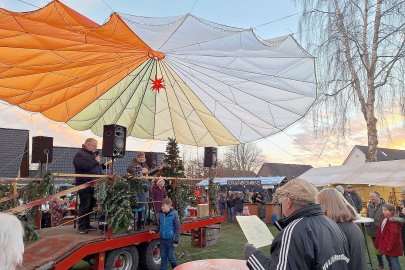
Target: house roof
(383, 154)
(290, 171)
(12, 145)
(63, 160)
(225, 172)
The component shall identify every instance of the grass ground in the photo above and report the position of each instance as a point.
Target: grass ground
(230, 246)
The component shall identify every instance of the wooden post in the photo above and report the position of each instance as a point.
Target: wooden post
(211, 201)
(14, 185)
(15, 191)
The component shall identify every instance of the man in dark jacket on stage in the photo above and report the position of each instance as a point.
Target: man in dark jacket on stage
(86, 161)
(308, 239)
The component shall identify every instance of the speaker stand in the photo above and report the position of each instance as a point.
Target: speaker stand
(40, 170)
(210, 192)
(112, 166)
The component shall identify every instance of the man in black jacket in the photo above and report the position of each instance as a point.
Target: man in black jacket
(86, 161)
(355, 197)
(308, 239)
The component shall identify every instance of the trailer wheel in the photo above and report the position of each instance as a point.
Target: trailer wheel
(125, 258)
(150, 255)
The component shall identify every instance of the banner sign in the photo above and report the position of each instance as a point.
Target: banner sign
(241, 183)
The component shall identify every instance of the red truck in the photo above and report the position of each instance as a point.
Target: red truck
(62, 247)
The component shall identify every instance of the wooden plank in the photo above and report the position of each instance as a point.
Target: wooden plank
(50, 198)
(8, 198)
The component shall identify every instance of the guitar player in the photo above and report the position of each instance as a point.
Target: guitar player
(139, 168)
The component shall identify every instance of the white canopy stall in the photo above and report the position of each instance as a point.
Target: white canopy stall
(384, 173)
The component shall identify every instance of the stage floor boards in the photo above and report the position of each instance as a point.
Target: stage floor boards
(55, 244)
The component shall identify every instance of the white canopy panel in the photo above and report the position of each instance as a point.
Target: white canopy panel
(384, 173)
(255, 88)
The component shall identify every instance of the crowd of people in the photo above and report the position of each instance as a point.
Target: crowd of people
(53, 213)
(318, 230)
(233, 202)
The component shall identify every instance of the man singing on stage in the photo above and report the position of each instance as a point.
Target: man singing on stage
(86, 161)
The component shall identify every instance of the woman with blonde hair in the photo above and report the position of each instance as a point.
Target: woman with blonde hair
(339, 210)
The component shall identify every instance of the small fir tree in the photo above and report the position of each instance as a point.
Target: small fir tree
(174, 164)
(178, 191)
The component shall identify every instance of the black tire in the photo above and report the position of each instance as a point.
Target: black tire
(150, 255)
(125, 258)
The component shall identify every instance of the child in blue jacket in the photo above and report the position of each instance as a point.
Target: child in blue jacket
(169, 228)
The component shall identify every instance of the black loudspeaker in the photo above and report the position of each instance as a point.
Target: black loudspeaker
(210, 156)
(114, 141)
(153, 159)
(42, 149)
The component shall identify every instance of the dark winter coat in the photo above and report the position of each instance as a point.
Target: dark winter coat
(230, 202)
(238, 205)
(388, 241)
(169, 226)
(85, 163)
(142, 196)
(261, 204)
(308, 241)
(356, 244)
(349, 200)
(374, 212)
(157, 196)
(356, 199)
(254, 196)
(222, 203)
(135, 168)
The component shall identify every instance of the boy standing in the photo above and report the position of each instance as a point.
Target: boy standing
(169, 228)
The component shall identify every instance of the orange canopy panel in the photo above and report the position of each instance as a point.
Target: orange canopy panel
(203, 83)
(56, 61)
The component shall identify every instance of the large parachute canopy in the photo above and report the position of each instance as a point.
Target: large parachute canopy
(202, 83)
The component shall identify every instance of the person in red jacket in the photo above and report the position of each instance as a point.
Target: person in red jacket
(388, 240)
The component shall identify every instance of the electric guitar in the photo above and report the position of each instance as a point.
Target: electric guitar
(152, 171)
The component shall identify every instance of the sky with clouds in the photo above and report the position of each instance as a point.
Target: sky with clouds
(297, 144)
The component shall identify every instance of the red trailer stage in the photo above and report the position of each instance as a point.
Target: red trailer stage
(62, 247)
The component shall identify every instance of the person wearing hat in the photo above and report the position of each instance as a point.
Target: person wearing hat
(345, 195)
(375, 211)
(307, 238)
(350, 192)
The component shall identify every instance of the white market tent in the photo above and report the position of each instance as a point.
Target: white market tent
(384, 173)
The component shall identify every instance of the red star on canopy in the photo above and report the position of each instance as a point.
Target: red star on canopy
(157, 84)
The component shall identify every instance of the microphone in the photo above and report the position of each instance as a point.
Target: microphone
(96, 153)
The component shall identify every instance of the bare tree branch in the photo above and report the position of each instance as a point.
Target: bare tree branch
(360, 47)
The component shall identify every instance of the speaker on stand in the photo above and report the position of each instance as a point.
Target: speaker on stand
(114, 142)
(42, 151)
(210, 157)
